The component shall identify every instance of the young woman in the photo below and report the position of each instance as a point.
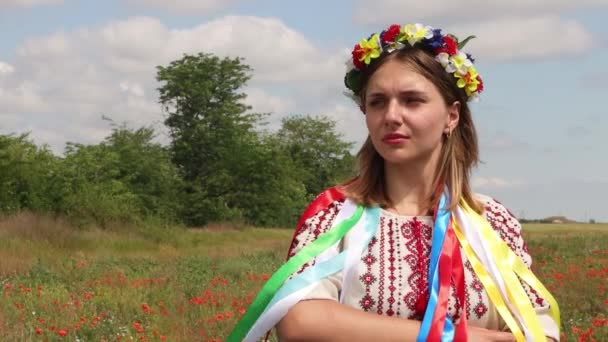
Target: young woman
(415, 254)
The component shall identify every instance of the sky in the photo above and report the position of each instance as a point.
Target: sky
(541, 119)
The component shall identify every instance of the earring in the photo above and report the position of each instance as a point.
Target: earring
(448, 134)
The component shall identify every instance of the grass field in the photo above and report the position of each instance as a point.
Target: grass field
(63, 284)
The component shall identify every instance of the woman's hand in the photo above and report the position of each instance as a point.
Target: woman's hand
(484, 335)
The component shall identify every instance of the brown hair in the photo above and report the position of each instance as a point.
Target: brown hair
(459, 153)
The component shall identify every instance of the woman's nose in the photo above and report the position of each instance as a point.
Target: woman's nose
(394, 112)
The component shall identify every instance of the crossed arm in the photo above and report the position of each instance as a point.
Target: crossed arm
(328, 320)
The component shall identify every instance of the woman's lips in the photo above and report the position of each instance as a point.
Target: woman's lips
(395, 138)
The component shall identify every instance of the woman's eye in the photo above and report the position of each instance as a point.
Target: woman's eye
(375, 103)
(414, 100)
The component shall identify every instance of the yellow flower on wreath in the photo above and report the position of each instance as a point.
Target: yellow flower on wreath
(369, 48)
(469, 81)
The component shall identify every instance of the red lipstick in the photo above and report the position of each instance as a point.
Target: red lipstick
(394, 138)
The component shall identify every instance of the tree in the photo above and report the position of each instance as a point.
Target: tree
(28, 175)
(231, 171)
(268, 192)
(125, 178)
(205, 115)
(208, 123)
(320, 155)
(146, 168)
(94, 192)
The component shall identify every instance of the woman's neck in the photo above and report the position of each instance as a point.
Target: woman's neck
(409, 187)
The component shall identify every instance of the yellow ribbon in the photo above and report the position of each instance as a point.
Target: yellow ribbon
(510, 265)
(489, 286)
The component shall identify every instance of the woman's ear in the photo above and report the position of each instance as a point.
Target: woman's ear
(453, 117)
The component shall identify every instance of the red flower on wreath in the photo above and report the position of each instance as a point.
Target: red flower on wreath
(450, 47)
(480, 85)
(358, 53)
(390, 34)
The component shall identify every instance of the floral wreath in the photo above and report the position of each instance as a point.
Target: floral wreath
(446, 49)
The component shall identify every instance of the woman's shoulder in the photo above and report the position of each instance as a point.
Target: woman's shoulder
(494, 209)
(501, 219)
(322, 208)
(324, 214)
(316, 219)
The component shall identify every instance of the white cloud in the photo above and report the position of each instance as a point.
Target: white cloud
(185, 6)
(22, 98)
(262, 101)
(27, 3)
(493, 182)
(6, 69)
(275, 51)
(73, 78)
(350, 122)
(8, 120)
(386, 12)
(505, 30)
(526, 38)
(512, 38)
(131, 88)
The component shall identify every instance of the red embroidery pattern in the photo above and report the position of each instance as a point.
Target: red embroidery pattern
(475, 287)
(480, 310)
(398, 242)
(367, 302)
(454, 306)
(312, 228)
(391, 269)
(417, 237)
(505, 223)
(393, 275)
(382, 267)
(368, 279)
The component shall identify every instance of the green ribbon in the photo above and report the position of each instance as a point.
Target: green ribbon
(259, 304)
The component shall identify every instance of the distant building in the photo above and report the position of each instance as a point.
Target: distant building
(557, 219)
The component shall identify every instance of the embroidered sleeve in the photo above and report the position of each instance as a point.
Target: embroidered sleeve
(509, 229)
(328, 288)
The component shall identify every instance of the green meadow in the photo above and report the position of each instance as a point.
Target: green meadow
(62, 283)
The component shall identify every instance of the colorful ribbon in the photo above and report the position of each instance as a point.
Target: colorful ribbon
(445, 266)
(493, 261)
(270, 288)
(442, 218)
(505, 266)
(300, 285)
(322, 201)
(489, 286)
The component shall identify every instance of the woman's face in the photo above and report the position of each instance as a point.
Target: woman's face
(406, 115)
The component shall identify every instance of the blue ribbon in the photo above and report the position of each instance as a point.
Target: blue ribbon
(439, 231)
(372, 217)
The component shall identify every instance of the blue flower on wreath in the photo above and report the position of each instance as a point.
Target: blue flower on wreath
(436, 41)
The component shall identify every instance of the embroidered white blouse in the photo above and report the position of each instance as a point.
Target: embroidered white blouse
(393, 272)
